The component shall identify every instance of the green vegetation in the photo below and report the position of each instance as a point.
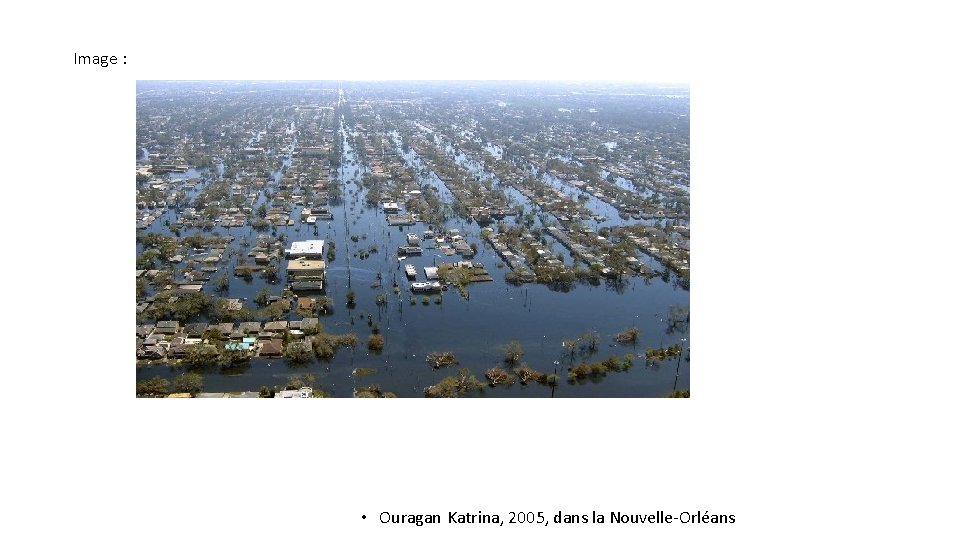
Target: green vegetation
(325, 346)
(372, 391)
(323, 305)
(661, 354)
(630, 335)
(187, 307)
(188, 382)
(296, 382)
(263, 295)
(527, 374)
(363, 371)
(331, 251)
(441, 359)
(299, 352)
(221, 284)
(590, 341)
(498, 375)
(453, 386)
(598, 369)
(155, 387)
(679, 394)
(513, 352)
(375, 342)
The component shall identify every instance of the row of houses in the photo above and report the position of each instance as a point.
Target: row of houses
(171, 340)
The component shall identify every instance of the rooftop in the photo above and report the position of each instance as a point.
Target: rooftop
(306, 247)
(305, 264)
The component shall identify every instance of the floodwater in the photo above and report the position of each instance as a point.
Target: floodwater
(474, 329)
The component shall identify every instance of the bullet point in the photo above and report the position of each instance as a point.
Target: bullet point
(364, 516)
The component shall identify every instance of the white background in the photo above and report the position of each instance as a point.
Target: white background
(823, 168)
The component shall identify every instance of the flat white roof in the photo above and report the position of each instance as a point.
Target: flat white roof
(306, 246)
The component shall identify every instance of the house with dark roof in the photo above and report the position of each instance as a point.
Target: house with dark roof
(195, 330)
(250, 327)
(275, 326)
(271, 347)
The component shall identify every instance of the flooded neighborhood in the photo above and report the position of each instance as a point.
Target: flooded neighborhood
(412, 239)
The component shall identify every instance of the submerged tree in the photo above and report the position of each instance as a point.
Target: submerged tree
(375, 342)
(441, 359)
(452, 386)
(296, 382)
(513, 352)
(499, 376)
(263, 295)
(590, 341)
(527, 374)
(630, 335)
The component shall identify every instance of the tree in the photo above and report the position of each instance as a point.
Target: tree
(629, 335)
(527, 374)
(201, 355)
(452, 386)
(299, 352)
(441, 359)
(323, 305)
(590, 340)
(263, 295)
(188, 382)
(499, 376)
(513, 352)
(157, 386)
(231, 358)
(297, 382)
(221, 284)
(375, 342)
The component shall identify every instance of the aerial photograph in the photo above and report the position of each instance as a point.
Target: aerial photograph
(306, 239)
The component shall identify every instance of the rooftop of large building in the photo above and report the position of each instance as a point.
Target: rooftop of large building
(306, 247)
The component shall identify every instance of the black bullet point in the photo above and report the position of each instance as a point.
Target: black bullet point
(364, 516)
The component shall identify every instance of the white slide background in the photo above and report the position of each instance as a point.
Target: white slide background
(823, 291)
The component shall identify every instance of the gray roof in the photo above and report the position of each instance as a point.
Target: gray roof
(250, 327)
(196, 329)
